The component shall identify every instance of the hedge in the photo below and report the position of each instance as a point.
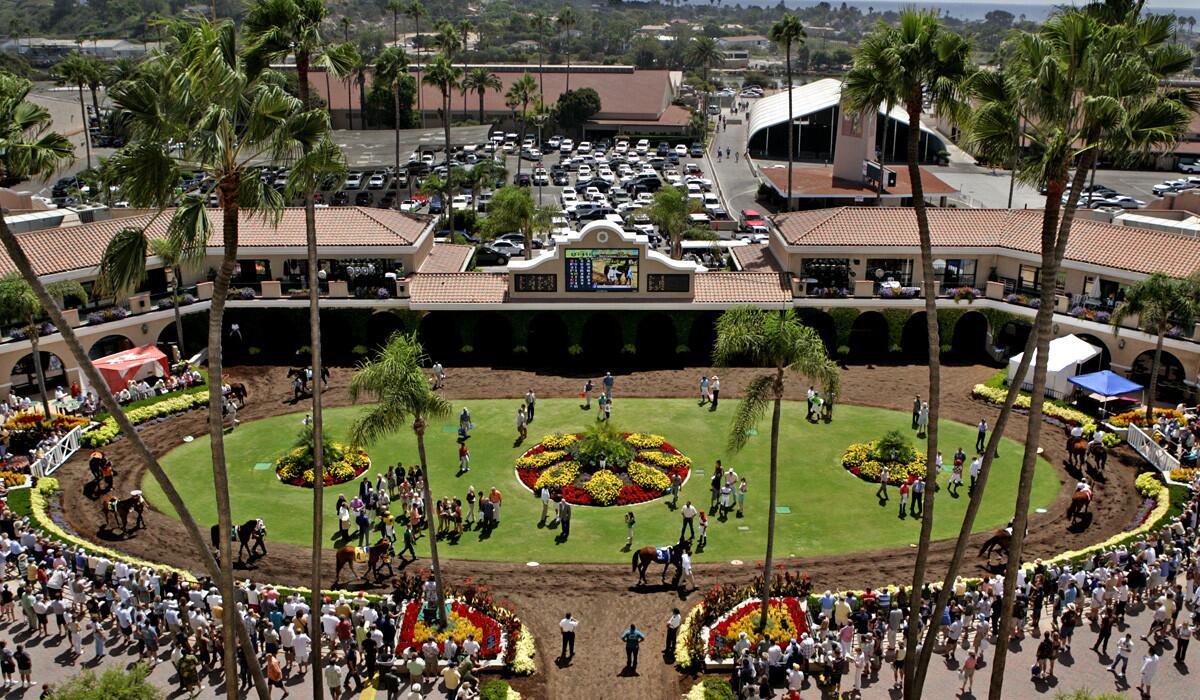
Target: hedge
(177, 403)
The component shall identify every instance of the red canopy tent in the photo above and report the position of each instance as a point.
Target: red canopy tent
(134, 363)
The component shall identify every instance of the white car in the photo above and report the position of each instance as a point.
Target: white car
(584, 147)
(592, 193)
(411, 205)
(703, 182)
(645, 199)
(681, 150)
(554, 142)
(427, 158)
(353, 181)
(1193, 167)
(569, 197)
(643, 146)
(566, 146)
(376, 182)
(585, 172)
(622, 147)
(460, 202)
(711, 202)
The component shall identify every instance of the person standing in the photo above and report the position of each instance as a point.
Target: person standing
(685, 564)
(545, 496)
(530, 404)
(1149, 668)
(968, 674)
(1124, 649)
(564, 517)
(673, 624)
(918, 492)
(903, 498)
(688, 513)
(715, 485)
(976, 467)
(633, 641)
(568, 625)
(608, 385)
(741, 498)
(715, 385)
(629, 523)
(409, 541)
(588, 387)
(703, 389)
(439, 375)
(916, 411)
(464, 456)
(881, 492)
(923, 420)
(1183, 637)
(676, 486)
(981, 436)
(522, 421)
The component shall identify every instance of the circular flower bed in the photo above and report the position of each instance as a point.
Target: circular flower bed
(342, 463)
(867, 459)
(462, 621)
(636, 470)
(785, 621)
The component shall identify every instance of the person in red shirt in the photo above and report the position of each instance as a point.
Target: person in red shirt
(903, 498)
(344, 633)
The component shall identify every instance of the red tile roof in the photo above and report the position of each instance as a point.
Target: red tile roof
(755, 258)
(673, 115)
(458, 288)
(446, 257)
(1119, 247)
(817, 181)
(742, 288)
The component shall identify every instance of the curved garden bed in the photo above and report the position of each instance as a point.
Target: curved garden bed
(342, 463)
(866, 460)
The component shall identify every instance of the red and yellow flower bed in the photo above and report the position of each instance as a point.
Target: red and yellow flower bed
(552, 464)
(463, 621)
(785, 621)
(343, 463)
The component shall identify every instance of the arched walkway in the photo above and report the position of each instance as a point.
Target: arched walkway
(493, 338)
(547, 338)
(167, 337)
(24, 374)
(914, 338)
(823, 324)
(869, 336)
(108, 345)
(656, 340)
(601, 337)
(1171, 388)
(1012, 336)
(702, 336)
(439, 335)
(1103, 361)
(380, 326)
(969, 340)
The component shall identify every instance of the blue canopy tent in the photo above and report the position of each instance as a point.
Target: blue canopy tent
(1105, 385)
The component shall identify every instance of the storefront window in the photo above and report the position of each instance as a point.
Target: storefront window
(824, 273)
(954, 272)
(1030, 279)
(880, 270)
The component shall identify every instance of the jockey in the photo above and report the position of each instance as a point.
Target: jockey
(1098, 436)
(1077, 431)
(1084, 487)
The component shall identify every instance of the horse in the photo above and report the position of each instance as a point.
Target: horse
(1000, 540)
(251, 535)
(1080, 504)
(1099, 454)
(237, 391)
(1077, 449)
(378, 556)
(120, 507)
(663, 555)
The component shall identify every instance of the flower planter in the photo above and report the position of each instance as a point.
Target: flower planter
(864, 289)
(551, 463)
(270, 289)
(339, 289)
(71, 316)
(995, 290)
(204, 290)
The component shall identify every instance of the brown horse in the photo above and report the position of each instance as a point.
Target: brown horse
(120, 507)
(1000, 540)
(378, 556)
(1077, 449)
(1099, 455)
(237, 391)
(661, 555)
(1081, 502)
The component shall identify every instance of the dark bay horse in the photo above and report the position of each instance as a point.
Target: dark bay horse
(661, 555)
(1081, 502)
(119, 508)
(1077, 450)
(1000, 540)
(378, 556)
(1099, 455)
(251, 536)
(237, 392)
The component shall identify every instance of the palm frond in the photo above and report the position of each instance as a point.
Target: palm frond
(750, 410)
(123, 263)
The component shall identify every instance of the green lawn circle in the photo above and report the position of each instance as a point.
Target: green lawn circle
(831, 511)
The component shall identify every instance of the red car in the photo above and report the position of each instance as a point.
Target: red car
(752, 218)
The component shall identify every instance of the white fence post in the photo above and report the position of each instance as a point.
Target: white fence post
(49, 463)
(1154, 453)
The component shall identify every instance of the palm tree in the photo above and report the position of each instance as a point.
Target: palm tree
(565, 22)
(1160, 303)
(18, 301)
(415, 11)
(789, 32)
(356, 66)
(76, 69)
(445, 76)
(512, 208)
(35, 151)
(391, 69)
(464, 27)
(447, 40)
(207, 108)
(703, 53)
(540, 23)
(669, 212)
(396, 382)
(521, 94)
(123, 266)
(479, 81)
(779, 342)
(396, 6)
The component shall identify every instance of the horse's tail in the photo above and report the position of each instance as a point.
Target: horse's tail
(635, 560)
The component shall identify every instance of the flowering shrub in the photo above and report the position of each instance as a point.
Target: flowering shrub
(35, 421)
(632, 494)
(540, 460)
(13, 478)
(383, 293)
(861, 459)
(644, 441)
(649, 477)
(461, 622)
(830, 292)
(1067, 415)
(1184, 476)
(899, 292)
(967, 294)
(604, 486)
(558, 441)
(108, 431)
(1148, 485)
(1138, 418)
(663, 459)
(785, 621)
(558, 475)
(343, 463)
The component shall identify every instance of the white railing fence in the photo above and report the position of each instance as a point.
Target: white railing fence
(1154, 453)
(49, 463)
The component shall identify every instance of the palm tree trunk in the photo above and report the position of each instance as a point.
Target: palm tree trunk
(435, 562)
(349, 104)
(481, 92)
(329, 94)
(541, 75)
(568, 53)
(1152, 388)
(177, 276)
(420, 55)
(216, 427)
(524, 126)
(361, 80)
(882, 155)
(768, 560)
(396, 26)
(929, 291)
(39, 371)
(87, 132)
(446, 128)
(787, 206)
(197, 541)
(95, 99)
(318, 434)
(396, 108)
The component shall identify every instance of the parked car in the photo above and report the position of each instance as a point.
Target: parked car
(411, 205)
(523, 180)
(697, 150)
(362, 199)
(376, 182)
(341, 198)
(488, 255)
(460, 202)
(353, 181)
(1192, 167)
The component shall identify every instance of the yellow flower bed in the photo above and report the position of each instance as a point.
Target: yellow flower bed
(13, 478)
(1138, 418)
(859, 459)
(780, 626)
(648, 477)
(523, 663)
(457, 627)
(1183, 476)
(559, 441)
(664, 460)
(603, 487)
(558, 475)
(1068, 415)
(645, 441)
(540, 460)
(1147, 485)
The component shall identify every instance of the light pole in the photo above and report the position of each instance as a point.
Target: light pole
(539, 119)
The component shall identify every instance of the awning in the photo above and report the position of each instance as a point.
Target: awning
(1106, 383)
(134, 363)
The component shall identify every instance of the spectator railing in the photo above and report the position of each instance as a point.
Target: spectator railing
(1153, 452)
(49, 463)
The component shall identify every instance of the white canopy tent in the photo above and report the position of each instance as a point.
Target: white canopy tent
(1067, 354)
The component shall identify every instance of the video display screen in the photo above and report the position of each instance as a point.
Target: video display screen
(602, 269)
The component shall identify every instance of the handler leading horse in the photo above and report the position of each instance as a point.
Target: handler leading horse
(251, 535)
(119, 508)
(661, 555)
(377, 556)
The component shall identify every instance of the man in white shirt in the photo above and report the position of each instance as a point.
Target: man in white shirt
(471, 647)
(688, 513)
(302, 645)
(672, 632)
(976, 467)
(568, 625)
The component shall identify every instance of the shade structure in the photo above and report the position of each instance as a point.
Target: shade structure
(1066, 355)
(1106, 383)
(134, 363)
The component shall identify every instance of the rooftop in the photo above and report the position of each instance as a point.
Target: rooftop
(446, 257)
(815, 181)
(742, 288)
(458, 288)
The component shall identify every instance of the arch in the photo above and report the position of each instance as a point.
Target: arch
(969, 339)
(702, 336)
(656, 340)
(108, 345)
(869, 336)
(1171, 374)
(1012, 336)
(547, 338)
(439, 335)
(601, 337)
(24, 374)
(914, 338)
(380, 326)
(823, 324)
(167, 337)
(493, 340)
(1103, 361)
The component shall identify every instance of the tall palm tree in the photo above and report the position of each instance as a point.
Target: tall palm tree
(479, 81)
(521, 94)
(76, 69)
(396, 7)
(391, 69)
(356, 66)
(703, 53)
(540, 23)
(1160, 303)
(445, 76)
(395, 381)
(18, 301)
(779, 342)
(565, 22)
(34, 150)
(447, 40)
(415, 11)
(790, 33)
(464, 26)
(206, 108)
(916, 61)
(669, 212)
(512, 208)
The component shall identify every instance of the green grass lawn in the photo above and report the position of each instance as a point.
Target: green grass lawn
(831, 511)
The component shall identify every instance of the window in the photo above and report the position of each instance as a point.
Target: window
(535, 283)
(951, 273)
(881, 270)
(667, 283)
(1029, 279)
(826, 273)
